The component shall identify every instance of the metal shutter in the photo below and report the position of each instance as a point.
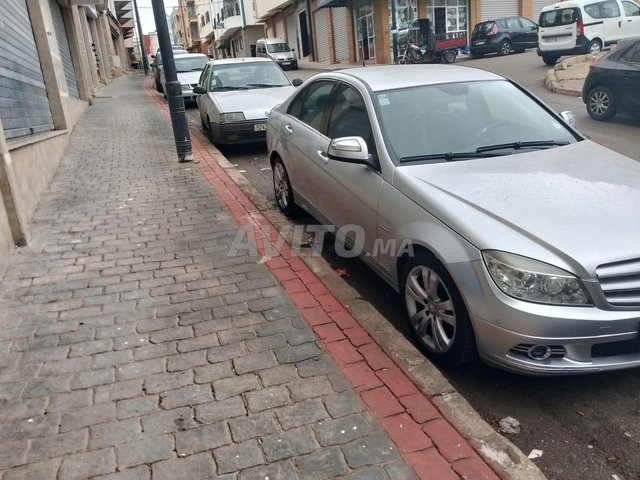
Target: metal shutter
(340, 37)
(292, 32)
(538, 5)
(24, 105)
(501, 8)
(280, 32)
(322, 40)
(63, 47)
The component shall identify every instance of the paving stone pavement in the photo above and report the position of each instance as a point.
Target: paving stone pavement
(132, 347)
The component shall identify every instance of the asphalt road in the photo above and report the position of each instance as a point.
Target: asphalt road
(587, 427)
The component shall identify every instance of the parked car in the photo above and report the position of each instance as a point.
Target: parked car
(235, 95)
(585, 26)
(507, 233)
(189, 66)
(277, 50)
(502, 36)
(613, 82)
(156, 65)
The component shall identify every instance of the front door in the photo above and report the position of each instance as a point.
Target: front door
(632, 19)
(628, 79)
(612, 21)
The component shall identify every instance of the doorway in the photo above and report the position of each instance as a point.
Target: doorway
(304, 33)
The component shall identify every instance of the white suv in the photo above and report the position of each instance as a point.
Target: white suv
(585, 26)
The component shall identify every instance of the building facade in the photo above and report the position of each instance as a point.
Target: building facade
(335, 31)
(186, 19)
(204, 11)
(236, 28)
(56, 54)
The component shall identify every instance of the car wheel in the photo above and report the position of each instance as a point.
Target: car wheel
(210, 132)
(436, 313)
(601, 104)
(158, 86)
(594, 46)
(505, 48)
(282, 189)
(401, 60)
(477, 56)
(550, 59)
(449, 56)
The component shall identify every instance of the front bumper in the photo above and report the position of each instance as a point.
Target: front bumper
(580, 339)
(239, 132)
(288, 63)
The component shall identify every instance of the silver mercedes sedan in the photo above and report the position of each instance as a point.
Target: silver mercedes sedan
(508, 234)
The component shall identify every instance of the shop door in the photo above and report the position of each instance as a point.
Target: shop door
(497, 9)
(304, 33)
(340, 36)
(322, 38)
(365, 37)
(292, 37)
(63, 47)
(24, 105)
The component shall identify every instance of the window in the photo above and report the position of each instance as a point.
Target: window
(349, 117)
(631, 9)
(513, 24)
(207, 17)
(633, 54)
(309, 106)
(607, 9)
(527, 24)
(202, 21)
(557, 18)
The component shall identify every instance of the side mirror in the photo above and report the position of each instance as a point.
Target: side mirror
(569, 117)
(198, 90)
(296, 82)
(350, 150)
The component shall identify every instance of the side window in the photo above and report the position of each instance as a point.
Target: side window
(606, 9)
(203, 81)
(633, 54)
(349, 117)
(513, 24)
(631, 9)
(502, 24)
(527, 24)
(309, 106)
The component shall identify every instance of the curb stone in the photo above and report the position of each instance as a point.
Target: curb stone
(499, 453)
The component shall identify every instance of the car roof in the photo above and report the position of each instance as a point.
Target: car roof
(388, 77)
(229, 61)
(187, 54)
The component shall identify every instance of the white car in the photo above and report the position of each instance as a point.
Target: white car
(235, 95)
(189, 67)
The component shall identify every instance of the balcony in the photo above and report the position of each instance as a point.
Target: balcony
(228, 27)
(268, 8)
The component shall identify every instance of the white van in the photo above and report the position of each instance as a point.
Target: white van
(277, 49)
(585, 26)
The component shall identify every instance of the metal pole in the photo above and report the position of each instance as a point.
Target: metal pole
(394, 27)
(173, 89)
(145, 64)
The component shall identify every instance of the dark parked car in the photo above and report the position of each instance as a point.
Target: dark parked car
(504, 35)
(613, 82)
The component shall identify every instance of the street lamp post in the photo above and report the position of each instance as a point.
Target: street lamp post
(173, 89)
(145, 63)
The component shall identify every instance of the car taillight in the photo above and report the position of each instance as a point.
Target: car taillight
(595, 63)
(494, 30)
(579, 28)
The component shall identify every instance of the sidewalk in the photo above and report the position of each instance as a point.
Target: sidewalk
(133, 347)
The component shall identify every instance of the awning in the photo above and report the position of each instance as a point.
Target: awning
(332, 3)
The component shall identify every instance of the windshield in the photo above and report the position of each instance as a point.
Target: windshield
(557, 18)
(278, 48)
(464, 117)
(191, 63)
(248, 75)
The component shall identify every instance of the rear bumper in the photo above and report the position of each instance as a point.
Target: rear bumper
(484, 49)
(581, 47)
(239, 132)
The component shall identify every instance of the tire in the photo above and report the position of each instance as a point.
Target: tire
(477, 56)
(158, 86)
(401, 60)
(601, 103)
(282, 189)
(505, 48)
(437, 316)
(210, 132)
(595, 46)
(449, 56)
(550, 59)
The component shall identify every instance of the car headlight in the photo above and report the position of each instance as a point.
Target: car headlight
(231, 117)
(186, 86)
(533, 281)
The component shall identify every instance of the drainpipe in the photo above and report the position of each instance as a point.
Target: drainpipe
(244, 24)
(312, 49)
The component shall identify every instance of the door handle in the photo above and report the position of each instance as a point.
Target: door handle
(323, 156)
(629, 20)
(288, 129)
(619, 23)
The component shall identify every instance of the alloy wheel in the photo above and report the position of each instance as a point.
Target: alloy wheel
(599, 102)
(594, 47)
(430, 308)
(505, 48)
(281, 186)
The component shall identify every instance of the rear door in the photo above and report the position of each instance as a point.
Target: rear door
(611, 15)
(632, 19)
(628, 79)
(557, 29)
(515, 31)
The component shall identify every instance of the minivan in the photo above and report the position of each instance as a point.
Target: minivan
(278, 50)
(503, 35)
(585, 26)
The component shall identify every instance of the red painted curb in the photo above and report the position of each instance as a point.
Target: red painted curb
(427, 442)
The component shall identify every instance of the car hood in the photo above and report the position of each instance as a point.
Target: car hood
(576, 206)
(189, 77)
(255, 103)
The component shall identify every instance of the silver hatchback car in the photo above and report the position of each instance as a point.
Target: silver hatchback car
(507, 233)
